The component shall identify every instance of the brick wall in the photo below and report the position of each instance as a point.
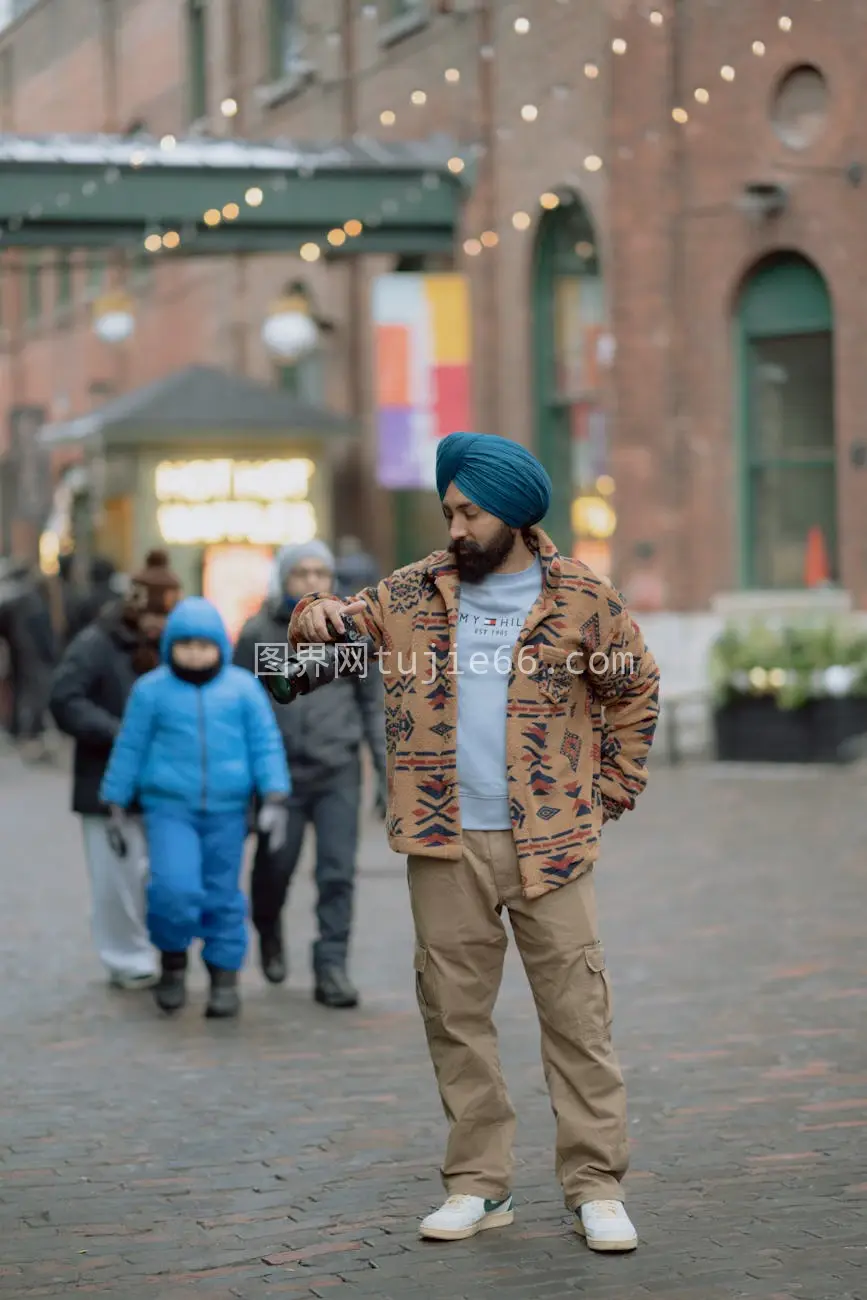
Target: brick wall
(683, 249)
(81, 75)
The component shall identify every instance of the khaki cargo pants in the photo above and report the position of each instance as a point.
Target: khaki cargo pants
(460, 947)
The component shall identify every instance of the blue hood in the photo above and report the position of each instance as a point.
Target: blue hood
(195, 617)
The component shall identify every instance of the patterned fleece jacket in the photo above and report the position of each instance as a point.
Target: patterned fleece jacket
(583, 702)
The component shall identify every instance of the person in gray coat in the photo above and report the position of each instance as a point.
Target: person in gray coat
(323, 733)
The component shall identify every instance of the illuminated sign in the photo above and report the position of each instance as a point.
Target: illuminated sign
(205, 502)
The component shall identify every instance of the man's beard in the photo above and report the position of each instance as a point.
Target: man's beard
(475, 562)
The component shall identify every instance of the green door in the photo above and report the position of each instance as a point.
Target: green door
(568, 322)
(787, 438)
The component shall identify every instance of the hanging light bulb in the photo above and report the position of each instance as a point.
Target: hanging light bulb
(153, 243)
(456, 165)
(490, 238)
(727, 72)
(529, 112)
(472, 247)
(522, 220)
(702, 95)
(592, 163)
(353, 228)
(310, 252)
(212, 217)
(656, 18)
(418, 97)
(387, 117)
(452, 75)
(549, 201)
(522, 26)
(618, 45)
(171, 239)
(680, 115)
(784, 23)
(759, 48)
(229, 107)
(254, 197)
(591, 71)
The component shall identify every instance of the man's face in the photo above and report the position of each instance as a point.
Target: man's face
(307, 576)
(151, 625)
(480, 542)
(196, 654)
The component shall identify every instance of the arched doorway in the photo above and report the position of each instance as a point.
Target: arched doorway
(569, 343)
(786, 426)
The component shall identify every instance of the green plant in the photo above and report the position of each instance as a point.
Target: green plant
(793, 663)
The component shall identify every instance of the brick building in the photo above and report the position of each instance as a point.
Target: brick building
(660, 243)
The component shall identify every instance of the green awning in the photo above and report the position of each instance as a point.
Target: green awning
(70, 191)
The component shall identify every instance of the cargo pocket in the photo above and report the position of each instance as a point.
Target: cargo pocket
(420, 967)
(596, 1010)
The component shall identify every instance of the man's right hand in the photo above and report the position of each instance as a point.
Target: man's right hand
(323, 621)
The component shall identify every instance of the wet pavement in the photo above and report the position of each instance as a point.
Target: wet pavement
(292, 1153)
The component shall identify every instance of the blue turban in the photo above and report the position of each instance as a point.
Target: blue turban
(497, 475)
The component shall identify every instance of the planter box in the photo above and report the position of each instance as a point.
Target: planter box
(751, 729)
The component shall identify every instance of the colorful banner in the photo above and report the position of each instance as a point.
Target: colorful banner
(422, 357)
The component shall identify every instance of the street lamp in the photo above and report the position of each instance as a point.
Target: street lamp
(113, 318)
(290, 330)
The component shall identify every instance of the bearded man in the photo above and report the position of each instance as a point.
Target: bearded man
(521, 704)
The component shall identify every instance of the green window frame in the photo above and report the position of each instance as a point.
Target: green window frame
(63, 269)
(285, 38)
(197, 52)
(783, 323)
(566, 249)
(33, 289)
(96, 274)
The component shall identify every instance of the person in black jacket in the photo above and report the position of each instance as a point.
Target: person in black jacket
(323, 733)
(88, 696)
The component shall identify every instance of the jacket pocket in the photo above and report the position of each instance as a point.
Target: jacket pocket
(555, 676)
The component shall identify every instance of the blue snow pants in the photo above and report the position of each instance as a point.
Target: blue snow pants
(195, 890)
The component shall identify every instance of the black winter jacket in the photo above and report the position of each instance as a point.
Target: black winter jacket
(322, 731)
(88, 695)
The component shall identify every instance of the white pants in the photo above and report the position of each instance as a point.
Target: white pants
(117, 887)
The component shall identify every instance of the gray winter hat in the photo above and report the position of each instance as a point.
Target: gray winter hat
(291, 556)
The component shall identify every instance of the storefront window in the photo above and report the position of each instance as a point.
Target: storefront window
(572, 348)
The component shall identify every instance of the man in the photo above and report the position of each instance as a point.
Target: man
(521, 704)
(25, 624)
(322, 735)
(88, 697)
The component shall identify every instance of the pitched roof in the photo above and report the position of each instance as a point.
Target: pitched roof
(199, 403)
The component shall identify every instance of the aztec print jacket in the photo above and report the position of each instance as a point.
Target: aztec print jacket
(581, 713)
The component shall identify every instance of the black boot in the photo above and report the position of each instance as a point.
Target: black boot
(223, 1001)
(170, 991)
(272, 957)
(334, 988)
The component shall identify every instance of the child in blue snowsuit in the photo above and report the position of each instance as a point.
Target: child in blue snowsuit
(198, 740)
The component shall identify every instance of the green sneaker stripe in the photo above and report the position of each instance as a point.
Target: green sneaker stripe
(491, 1206)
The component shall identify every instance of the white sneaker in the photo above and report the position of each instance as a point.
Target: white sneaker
(606, 1225)
(463, 1216)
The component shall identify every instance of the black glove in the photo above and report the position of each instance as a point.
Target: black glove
(274, 822)
(116, 832)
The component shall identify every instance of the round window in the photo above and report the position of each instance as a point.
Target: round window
(800, 106)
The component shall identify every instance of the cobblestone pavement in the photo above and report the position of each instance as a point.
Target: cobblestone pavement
(293, 1152)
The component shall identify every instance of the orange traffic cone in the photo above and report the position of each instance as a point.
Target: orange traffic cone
(817, 571)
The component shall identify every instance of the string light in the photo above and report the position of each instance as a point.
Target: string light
(702, 95)
(229, 107)
(137, 157)
(212, 217)
(758, 48)
(618, 45)
(171, 239)
(522, 26)
(727, 72)
(231, 211)
(472, 247)
(452, 75)
(680, 115)
(153, 243)
(549, 201)
(591, 71)
(353, 228)
(490, 238)
(784, 24)
(522, 220)
(336, 237)
(387, 117)
(656, 18)
(456, 165)
(529, 112)
(592, 163)
(418, 97)
(254, 197)
(168, 142)
(310, 252)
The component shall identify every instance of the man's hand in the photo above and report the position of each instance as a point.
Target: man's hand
(323, 621)
(116, 831)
